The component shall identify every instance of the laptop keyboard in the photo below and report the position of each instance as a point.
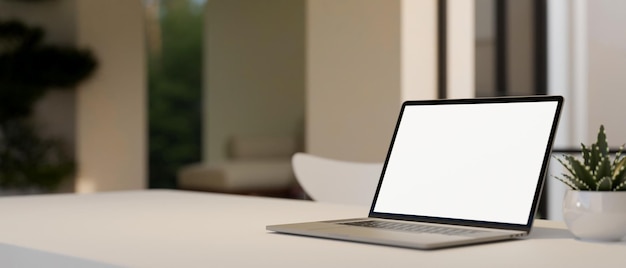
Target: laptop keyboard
(412, 227)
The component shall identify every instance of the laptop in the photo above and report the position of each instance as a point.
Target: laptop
(457, 172)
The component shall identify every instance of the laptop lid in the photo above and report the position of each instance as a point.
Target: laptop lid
(474, 162)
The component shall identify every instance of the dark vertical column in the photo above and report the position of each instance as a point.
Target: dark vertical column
(541, 73)
(442, 51)
(541, 46)
(501, 70)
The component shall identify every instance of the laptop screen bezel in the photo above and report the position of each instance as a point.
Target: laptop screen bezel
(484, 224)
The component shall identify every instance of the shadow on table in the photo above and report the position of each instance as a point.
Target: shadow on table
(550, 233)
(555, 233)
(16, 256)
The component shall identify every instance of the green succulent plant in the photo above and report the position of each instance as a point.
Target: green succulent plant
(596, 171)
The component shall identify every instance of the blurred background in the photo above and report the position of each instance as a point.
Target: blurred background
(217, 95)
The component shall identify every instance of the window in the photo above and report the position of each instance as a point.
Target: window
(174, 40)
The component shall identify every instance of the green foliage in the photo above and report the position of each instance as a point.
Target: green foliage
(596, 171)
(30, 162)
(175, 93)
(28, 69)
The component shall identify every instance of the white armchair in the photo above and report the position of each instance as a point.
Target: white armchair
(335, 181)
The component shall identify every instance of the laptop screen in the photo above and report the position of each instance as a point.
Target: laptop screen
(468, 161)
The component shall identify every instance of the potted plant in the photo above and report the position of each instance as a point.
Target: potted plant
(28, 69)
(594, 207)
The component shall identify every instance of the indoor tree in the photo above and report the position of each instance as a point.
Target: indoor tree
(28, 69)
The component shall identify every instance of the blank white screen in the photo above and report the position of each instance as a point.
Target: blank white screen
(467, 161)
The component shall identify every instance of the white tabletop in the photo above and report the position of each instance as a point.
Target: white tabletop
(164, 228)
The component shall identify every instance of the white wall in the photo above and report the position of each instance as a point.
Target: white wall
(418, 49)
(606, 89)
(356, 76)
(353, 77)
(254, 83)
(111, 124)
(460, 49)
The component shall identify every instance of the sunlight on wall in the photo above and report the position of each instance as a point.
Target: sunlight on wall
(85, 185)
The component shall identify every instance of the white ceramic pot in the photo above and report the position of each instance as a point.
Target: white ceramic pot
(599, 216)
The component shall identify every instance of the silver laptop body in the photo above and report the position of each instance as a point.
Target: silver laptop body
(457, 172)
